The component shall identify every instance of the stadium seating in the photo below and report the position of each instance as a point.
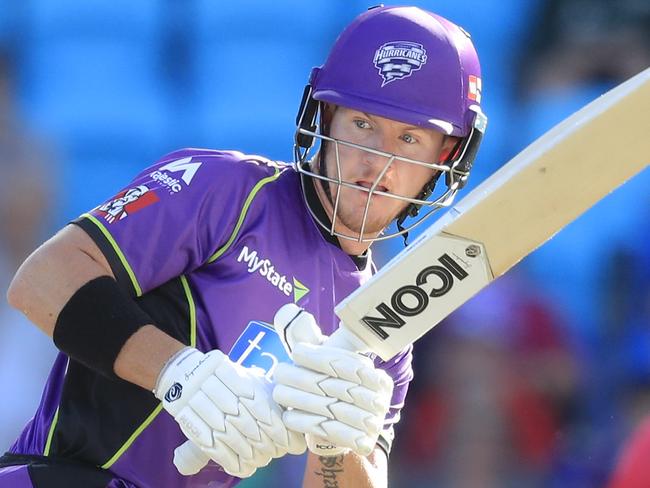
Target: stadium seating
(90, 73)
(234, 105)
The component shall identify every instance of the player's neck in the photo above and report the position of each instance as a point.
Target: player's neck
(353, 248)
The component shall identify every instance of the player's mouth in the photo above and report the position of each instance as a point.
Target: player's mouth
(368, 185)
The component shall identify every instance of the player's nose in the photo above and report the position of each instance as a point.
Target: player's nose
(381, 155)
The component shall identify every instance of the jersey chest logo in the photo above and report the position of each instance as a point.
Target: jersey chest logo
(259, 346)
(256, 264)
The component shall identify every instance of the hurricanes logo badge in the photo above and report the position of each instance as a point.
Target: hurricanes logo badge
(399, 59)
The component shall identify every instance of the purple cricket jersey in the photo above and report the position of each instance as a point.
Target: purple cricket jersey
(211, 244)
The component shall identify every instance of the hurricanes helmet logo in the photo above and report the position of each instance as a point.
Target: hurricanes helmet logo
(399, 59)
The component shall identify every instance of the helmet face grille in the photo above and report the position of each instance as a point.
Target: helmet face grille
(417, 208)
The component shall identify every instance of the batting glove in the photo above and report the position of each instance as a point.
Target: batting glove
(227, 413)
(338, 398)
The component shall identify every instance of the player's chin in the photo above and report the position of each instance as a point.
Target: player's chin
(374, 224)
(379, 215)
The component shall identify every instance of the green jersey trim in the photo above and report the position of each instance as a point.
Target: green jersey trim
(118, 252)
(55, 419)
(242, 215)
(50, 434)
(132, 438)
(158, 409)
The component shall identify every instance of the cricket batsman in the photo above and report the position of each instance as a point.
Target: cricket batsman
(162, 299)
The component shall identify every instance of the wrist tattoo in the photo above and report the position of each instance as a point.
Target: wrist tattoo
(331, 467)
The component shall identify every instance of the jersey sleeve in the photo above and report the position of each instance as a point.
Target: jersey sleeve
(175, 216)
(400, 369)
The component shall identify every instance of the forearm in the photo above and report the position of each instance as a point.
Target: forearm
(50, 277)
(349, 470)
(105, 329)
(144, 355)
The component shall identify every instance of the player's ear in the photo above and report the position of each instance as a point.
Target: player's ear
(448, 145)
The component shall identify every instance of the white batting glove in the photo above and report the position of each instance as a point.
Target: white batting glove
(291, 332)
(337, 397)
(226, 411)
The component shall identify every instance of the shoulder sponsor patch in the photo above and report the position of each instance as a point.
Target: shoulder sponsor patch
(186, 165)
(127, 202)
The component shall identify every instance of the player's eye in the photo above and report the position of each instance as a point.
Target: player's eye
(409, 139)
(362, 124)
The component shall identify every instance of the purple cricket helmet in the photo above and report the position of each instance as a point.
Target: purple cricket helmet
(405, 64)
(408, 65)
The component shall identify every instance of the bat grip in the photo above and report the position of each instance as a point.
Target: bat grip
(189, 458)
(346, 339)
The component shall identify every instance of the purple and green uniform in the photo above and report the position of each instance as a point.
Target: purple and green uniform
(210, 244)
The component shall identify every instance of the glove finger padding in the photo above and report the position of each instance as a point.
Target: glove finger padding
(358, 418)
(320, 384)
(332, 431)
(301, 400)
(220, 395)
(322, 447)
(203, 406)
(194, 427)
(332, 361)
(329, 408)
(286, 441)
(297, 444)
(266, 447)
(189, 459)
(233, 464)
(301, 378)
(235, 440)
(342, 364)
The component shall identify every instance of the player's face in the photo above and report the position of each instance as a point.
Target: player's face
(364, 168)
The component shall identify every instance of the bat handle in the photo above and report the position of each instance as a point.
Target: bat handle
(346, 339)
(189, 458)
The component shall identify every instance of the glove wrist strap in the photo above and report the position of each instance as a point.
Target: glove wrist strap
(177, 357)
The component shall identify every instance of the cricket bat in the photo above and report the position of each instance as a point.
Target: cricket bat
(514, 211)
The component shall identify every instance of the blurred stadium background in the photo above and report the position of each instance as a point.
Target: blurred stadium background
(535, 382)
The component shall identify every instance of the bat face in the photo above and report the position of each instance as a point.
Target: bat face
(542, 189)
(433, 276)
